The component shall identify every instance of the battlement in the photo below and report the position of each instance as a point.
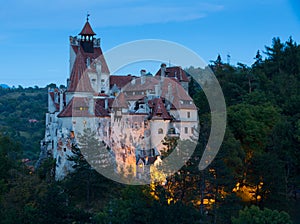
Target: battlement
(75, 41)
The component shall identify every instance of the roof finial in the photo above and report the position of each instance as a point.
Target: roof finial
(87, 16)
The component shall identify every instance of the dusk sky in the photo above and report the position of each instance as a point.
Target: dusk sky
(34, 34)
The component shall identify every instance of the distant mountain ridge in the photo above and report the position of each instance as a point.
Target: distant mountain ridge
(4, 86)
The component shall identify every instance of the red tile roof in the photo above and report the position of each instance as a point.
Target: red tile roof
(181, 98)
(80, 67)
(87, 30)
(100, 110)
(175, 72)
(120, 80)
(159, 111)
(52, 97)
(120, 101)
(97, 54)
(140, 86)
(84, 84)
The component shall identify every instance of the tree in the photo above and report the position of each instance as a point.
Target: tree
(136, 205)
(254, 215)
(85, 184)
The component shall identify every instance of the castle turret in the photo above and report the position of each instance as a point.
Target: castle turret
(87, 37)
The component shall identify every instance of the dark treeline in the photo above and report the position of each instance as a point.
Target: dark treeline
(254, 178)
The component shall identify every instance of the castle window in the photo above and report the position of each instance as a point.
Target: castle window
(186, 130)
(172, 131)
(160, 131)
(188, 114)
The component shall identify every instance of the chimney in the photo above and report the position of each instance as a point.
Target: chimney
(133, 81)
(143, 72)
(163, 67)
(143, 76)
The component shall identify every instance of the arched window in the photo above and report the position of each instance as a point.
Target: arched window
(160, 131)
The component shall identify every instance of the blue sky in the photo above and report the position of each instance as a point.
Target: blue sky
(34, 34)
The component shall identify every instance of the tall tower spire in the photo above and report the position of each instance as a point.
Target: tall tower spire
(87, 37)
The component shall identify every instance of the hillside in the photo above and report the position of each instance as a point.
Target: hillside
(22, 117)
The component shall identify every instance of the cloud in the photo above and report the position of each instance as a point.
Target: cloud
(40, 14)
(139, 14)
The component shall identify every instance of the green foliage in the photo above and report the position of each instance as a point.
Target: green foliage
(254, 215)
(251, 124)
(17, 108)
(136, 205)
(85, 185)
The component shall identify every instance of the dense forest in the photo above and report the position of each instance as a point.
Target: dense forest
(253, 179)
(22, 117)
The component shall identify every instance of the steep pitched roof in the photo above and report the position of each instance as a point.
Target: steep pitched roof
(80, 67)
(120, 101)
(175, 72)
(87, 29)
(181, 99)
(100, 110)
(120, 80)
(52, 95)
(141, 85)
(77, 70)
(97, 54)
(84, 84)
(159, 111)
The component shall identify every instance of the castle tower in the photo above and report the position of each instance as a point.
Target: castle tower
(89, 77)
(86, 59)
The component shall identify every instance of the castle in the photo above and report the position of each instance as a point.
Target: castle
(131, 115)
